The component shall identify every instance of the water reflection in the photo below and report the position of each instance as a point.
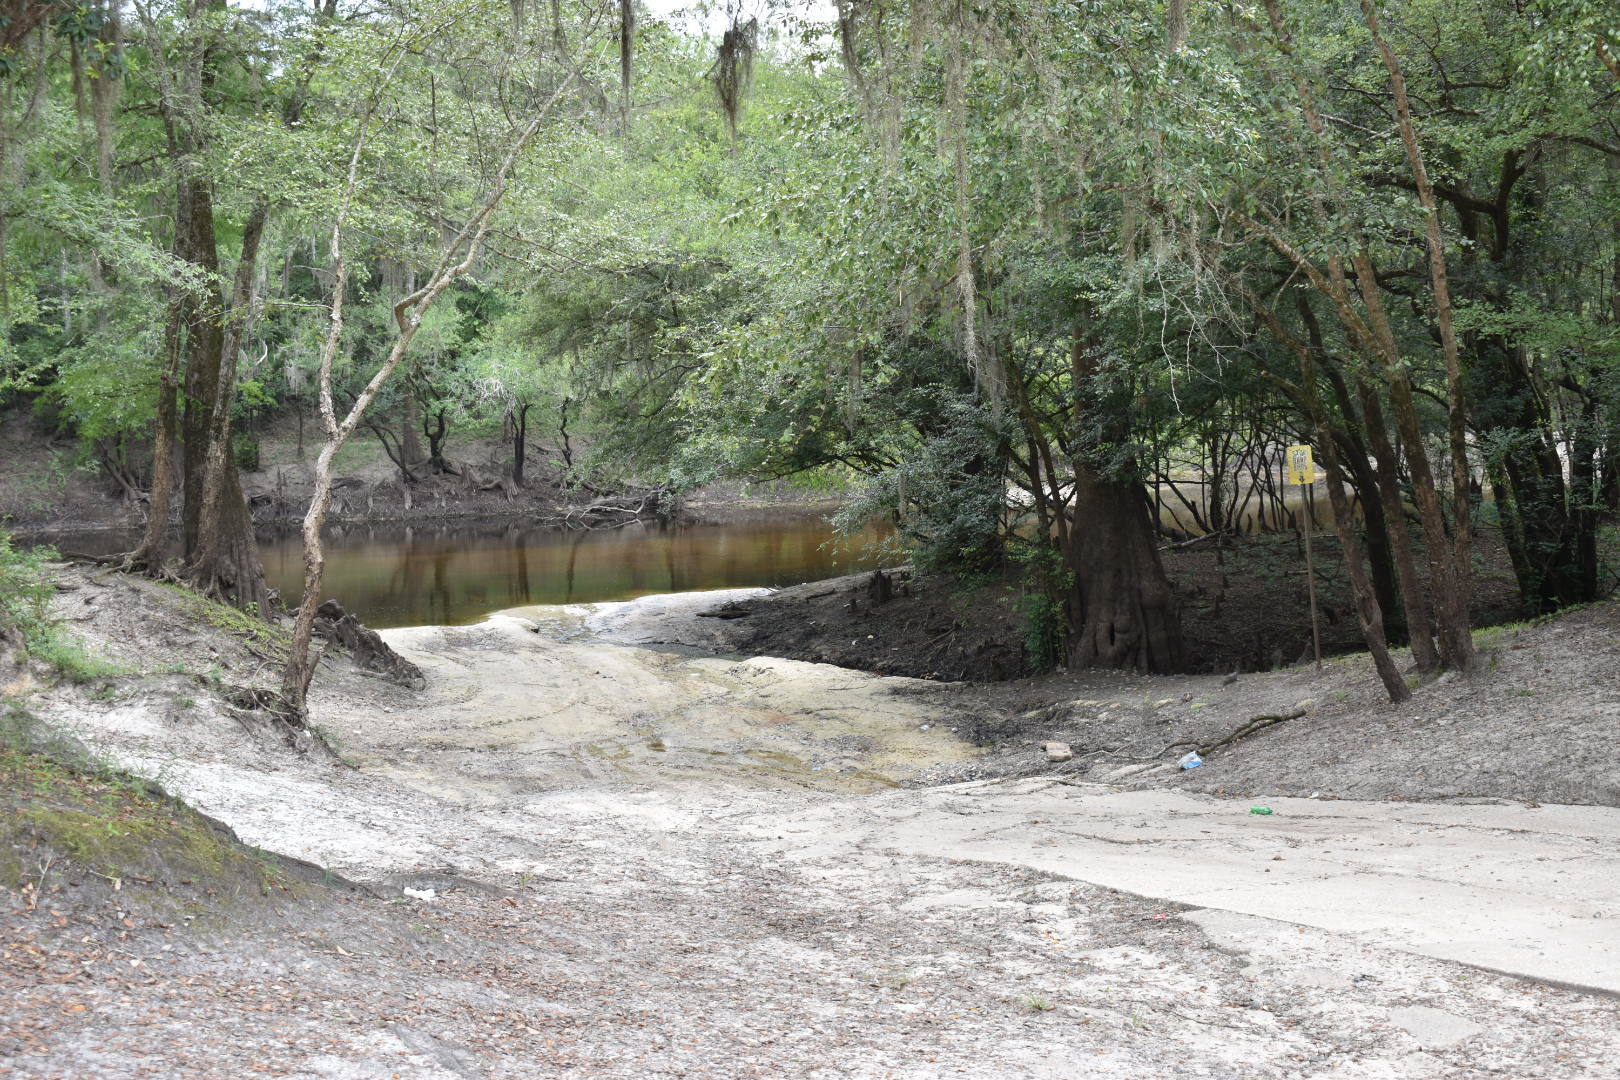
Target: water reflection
(413, 575)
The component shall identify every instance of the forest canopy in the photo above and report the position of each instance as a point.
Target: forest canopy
(1004, 267)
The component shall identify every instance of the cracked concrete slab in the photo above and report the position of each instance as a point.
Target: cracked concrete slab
(1530, 892)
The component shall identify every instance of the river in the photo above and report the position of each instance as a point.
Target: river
(454, 573)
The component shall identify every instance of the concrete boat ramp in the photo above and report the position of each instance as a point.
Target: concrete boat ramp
(1528, 891)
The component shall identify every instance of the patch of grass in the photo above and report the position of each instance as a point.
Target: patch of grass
(25, 606)
(68, 657)
(1488, 635)
(1038, 1004)
(233, 621)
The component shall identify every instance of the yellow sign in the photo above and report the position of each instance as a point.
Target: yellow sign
(1300, 469)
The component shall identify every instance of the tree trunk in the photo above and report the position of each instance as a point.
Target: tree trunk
(410, 443)
(408, 314)
(221, 557)
(436, 436)
(149, 554)
(520, 441)
(1374, 525)
(1453, 598)
(1368, 613)
(205, 348)
(1125, 612)
(397, 454)
(1552, 572)
(1389, 541)
(1583, 491)
(1377, 340)
(562, 429)
(1451, 606)
(627, 53)
(225, 562)
(300, 664)
(1415, 601)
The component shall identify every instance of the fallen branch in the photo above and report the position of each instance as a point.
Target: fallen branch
(1189, 543)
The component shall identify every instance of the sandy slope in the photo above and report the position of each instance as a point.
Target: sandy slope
(646, 862)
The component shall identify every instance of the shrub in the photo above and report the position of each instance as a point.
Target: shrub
(1046, 584)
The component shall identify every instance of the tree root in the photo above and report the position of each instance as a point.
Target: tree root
(254, 705)
(370, 651)
(616, 511)
(95, 560)
(1250, 727)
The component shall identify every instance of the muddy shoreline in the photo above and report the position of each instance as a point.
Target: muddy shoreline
(705, 509)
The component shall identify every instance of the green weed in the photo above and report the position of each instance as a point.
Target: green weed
(25, 604)
(1043, 602)
(234, 621)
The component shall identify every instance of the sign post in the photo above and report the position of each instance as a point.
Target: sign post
(1302, 472)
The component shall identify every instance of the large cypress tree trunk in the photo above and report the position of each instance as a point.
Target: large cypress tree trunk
(225, 560)
(205, 348)
(410, 443)
(1124, 612)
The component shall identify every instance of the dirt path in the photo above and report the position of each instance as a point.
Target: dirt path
(634, 862)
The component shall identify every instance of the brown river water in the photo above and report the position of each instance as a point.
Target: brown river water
(458, 572)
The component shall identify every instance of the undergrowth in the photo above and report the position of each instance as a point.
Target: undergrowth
(25, 611)
(65, 813)
(69, 815)
(233, 621)
(1043, 601)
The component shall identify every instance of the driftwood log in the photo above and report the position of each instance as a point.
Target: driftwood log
(370, 651)
(617, 511)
